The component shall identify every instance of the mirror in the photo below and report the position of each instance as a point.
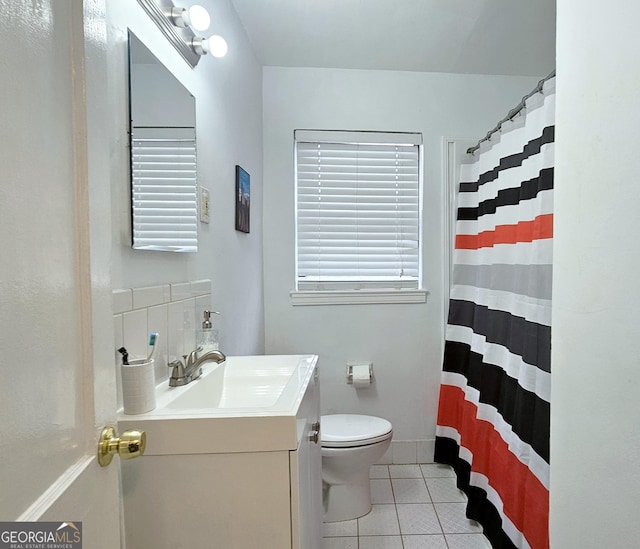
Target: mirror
(162, 135)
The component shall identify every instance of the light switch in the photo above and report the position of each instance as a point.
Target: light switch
(204, 205)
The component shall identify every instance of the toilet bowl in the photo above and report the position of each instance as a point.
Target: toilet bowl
(351, 444)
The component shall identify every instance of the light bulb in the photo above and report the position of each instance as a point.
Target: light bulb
(216, 45)
(197, 18)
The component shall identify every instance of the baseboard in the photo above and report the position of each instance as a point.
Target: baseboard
(403, 452)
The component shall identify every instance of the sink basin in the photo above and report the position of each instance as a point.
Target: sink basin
(238, 383)
(247, 403)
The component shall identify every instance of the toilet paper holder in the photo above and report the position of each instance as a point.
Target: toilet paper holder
(350, 370)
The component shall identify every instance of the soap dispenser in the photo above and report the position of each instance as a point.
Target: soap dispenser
(207, 337)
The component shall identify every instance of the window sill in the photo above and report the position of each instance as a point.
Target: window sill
(357, 297)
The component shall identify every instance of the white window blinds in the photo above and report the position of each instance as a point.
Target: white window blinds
(164, 189)
(358, 214)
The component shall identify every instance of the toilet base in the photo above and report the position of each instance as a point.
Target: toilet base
(347, 501)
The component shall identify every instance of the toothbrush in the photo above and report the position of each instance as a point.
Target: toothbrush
(153, 339)
(125, 356)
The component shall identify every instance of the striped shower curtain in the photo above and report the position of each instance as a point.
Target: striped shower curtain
(494, 408)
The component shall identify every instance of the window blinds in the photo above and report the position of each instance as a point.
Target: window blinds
(164, 189)
(358, 215)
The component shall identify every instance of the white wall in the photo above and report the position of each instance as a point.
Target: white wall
(229, 132)
(404, 342)
(595, 413)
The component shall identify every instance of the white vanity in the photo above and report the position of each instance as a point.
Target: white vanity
(232, 459)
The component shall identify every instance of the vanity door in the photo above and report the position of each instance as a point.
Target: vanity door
(306, 474)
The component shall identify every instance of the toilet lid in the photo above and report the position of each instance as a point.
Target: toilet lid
(349, 430)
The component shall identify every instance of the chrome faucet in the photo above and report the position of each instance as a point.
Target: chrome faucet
(191, 369)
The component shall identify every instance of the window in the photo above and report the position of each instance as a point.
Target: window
(357, 212)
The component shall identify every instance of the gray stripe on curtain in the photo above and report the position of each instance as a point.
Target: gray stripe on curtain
(530, 280)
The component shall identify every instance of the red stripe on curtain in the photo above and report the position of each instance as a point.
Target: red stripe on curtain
(524, 497)
(525, 231)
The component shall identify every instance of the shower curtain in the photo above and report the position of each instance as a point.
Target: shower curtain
(494, 407)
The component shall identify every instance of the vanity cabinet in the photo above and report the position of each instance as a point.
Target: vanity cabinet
(266, 498)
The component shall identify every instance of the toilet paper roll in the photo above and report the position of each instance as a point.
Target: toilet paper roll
(138, 386)
(361, 375)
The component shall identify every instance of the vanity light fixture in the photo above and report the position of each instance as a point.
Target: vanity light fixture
(178, 25)
(198, 19)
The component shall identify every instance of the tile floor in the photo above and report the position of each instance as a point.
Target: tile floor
(414, 507)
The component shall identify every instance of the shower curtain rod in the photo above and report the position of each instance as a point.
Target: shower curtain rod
(513, 112)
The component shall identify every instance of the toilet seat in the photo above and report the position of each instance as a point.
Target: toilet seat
(352, 430)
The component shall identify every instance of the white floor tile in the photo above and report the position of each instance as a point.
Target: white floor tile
(410, 490)
(381, 521)
(432, 541)
(405, 471)
(337, 529)
(444, 490)
(436, 470)
(379, 471)
(418, 518)
(402, 516)
(381, 491)
(467, 541)
(340, 543)
(453, 519)
(380, 542)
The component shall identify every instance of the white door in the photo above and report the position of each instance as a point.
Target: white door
(56, 333)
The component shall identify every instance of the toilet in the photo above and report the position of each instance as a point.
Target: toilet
(351, 444)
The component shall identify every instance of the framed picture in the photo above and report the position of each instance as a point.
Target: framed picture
(243, 199)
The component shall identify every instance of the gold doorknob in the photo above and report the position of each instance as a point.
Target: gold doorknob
(128, 446)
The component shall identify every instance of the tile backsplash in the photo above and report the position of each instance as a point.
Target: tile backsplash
(172, 310)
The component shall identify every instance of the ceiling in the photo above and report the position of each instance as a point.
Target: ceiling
(510, 37)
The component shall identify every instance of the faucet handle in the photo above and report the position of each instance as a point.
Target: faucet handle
(190, 359)
(178, 368)
(178, 374)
